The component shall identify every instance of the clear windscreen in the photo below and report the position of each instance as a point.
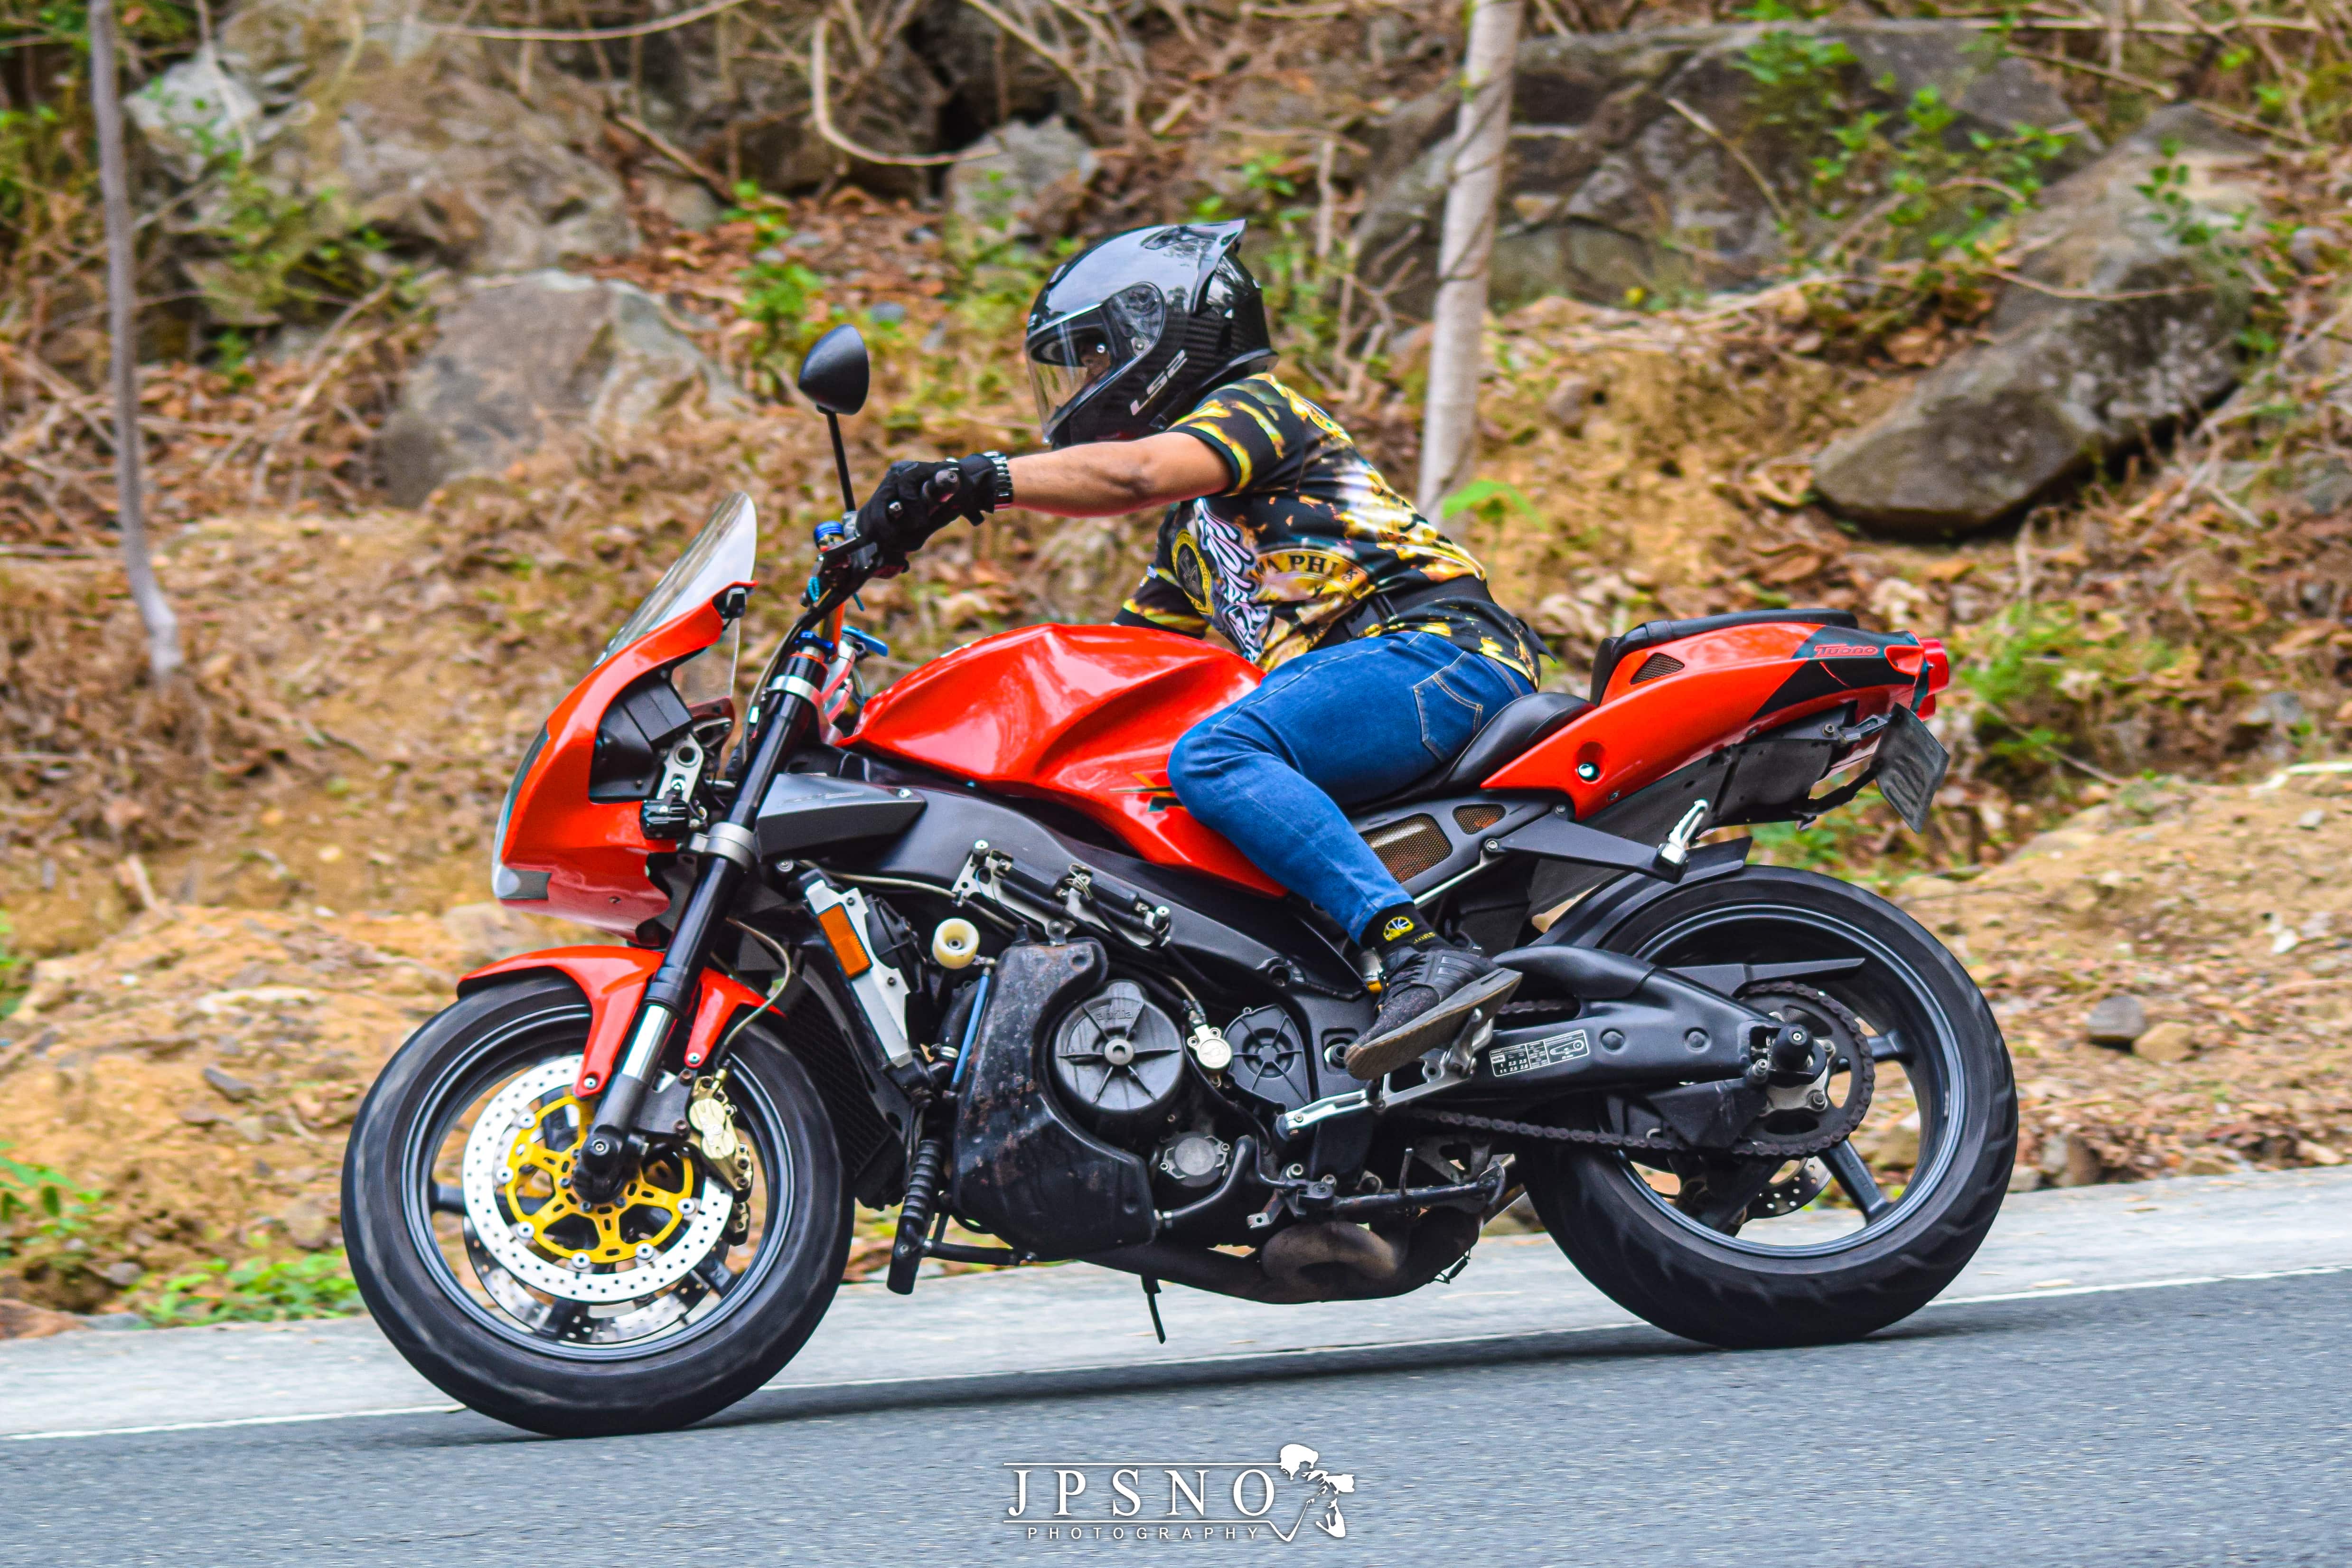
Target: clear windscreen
(723, 554)
(1068, 357)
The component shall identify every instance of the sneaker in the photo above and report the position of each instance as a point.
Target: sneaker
(1423, 1001)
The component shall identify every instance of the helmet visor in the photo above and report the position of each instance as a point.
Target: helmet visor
(1072, 355)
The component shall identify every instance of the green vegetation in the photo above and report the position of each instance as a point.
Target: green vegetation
(1863, 841)
(274, 254)
(1886, 178)
(40, 1208)
(15, 976)
(258, 1290)
(2047, 677)
(779, 294)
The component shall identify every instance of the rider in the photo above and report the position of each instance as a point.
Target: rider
(1383, 650)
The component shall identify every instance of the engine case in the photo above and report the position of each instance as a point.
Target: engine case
(1025, 1171)
(1119, 1059)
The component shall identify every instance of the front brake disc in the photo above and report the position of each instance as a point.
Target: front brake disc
(517, 1159)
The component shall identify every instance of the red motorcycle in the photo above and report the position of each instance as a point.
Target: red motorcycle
(959, 948)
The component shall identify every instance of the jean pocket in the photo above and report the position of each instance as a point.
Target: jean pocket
(1448, 719)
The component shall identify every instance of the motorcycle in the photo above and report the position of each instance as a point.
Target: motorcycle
(958, 947)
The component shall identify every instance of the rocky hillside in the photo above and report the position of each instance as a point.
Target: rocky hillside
(2171, 967)
(2022, 332)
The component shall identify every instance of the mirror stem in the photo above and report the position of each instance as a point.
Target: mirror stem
(841, 465)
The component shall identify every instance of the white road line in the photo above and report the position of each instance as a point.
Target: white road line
(2029, 1294)
(240, 1421)
(1303, 1350)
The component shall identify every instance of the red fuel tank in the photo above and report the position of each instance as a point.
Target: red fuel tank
(1084, 716)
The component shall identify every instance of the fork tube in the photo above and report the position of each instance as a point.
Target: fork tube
(728, 859)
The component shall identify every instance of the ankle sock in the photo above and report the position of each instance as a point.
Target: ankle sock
(1393, 933)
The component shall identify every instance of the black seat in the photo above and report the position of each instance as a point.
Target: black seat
(1508, 734)
(1649, 634)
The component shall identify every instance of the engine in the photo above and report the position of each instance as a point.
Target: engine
(1085, 1114)
(1119, 1063)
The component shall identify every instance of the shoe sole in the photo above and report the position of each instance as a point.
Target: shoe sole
(1383, 1054)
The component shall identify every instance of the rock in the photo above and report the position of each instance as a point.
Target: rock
(1897, 1144)
(122, 1275)
(23, 1320)
(2211, 1163)
(2116, 1022)
(195, 113)
(2024, 1179)
(2324, 486)
(1569, 404)
(2170, 1041)
(201, 1115)
(2317, 1153)
(233, 1090)
(516, 363)
(2066, 381)
(1609, 188)
(360, 115)
(683, 202)
(1029, 184)
(2310, 820)
(309, 1224)
(2068, 1162)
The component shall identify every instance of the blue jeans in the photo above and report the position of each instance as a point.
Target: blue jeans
(1336, 726)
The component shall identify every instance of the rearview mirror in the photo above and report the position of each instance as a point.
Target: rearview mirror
(834, 375)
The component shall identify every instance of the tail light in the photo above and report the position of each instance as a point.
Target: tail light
(1939, 673)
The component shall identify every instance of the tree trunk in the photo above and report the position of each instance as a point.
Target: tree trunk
(123, 324)
(1449, 438)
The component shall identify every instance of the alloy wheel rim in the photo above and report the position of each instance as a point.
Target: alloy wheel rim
(1930, 1056)
(516, 1051)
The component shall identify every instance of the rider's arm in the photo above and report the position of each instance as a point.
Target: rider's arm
(1105, 479)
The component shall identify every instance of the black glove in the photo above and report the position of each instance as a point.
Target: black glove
(915, 501)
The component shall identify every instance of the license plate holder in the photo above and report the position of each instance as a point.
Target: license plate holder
(1911, 767)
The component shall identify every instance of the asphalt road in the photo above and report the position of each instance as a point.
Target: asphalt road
(2190, 1425)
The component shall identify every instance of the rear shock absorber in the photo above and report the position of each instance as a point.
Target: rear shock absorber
(914, 1214)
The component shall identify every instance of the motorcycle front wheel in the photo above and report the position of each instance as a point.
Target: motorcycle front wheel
(1754, 1253)
(667, 1304)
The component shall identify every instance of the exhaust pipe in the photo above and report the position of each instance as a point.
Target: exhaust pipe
(1327, 1260)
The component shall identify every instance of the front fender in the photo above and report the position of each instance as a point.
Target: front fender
(612, 978)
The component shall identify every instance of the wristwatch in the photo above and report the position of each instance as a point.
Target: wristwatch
(1000, 469)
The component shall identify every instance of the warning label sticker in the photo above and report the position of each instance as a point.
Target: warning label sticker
(1526, 1055)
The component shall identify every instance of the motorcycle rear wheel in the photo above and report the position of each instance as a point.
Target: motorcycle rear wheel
(1922, 1013)
(713, 1334)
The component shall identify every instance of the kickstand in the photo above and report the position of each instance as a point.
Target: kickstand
(1151, 1299)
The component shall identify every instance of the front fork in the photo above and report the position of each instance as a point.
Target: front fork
(730, 850)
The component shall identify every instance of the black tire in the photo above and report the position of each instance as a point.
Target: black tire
(486, 1360)
(1690, 1280)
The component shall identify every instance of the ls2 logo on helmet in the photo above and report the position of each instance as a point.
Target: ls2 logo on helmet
(1161, 380)
(1118, 1504)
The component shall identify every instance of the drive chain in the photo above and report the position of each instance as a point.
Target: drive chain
(1791, 1146)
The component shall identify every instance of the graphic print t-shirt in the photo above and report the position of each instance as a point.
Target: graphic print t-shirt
(1304, 532)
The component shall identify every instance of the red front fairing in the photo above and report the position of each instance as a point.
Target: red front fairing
(1084, 716)
(612, 978)
(1727, 687)
(594, 851)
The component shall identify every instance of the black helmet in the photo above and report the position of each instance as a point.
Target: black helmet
(1126, 336)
